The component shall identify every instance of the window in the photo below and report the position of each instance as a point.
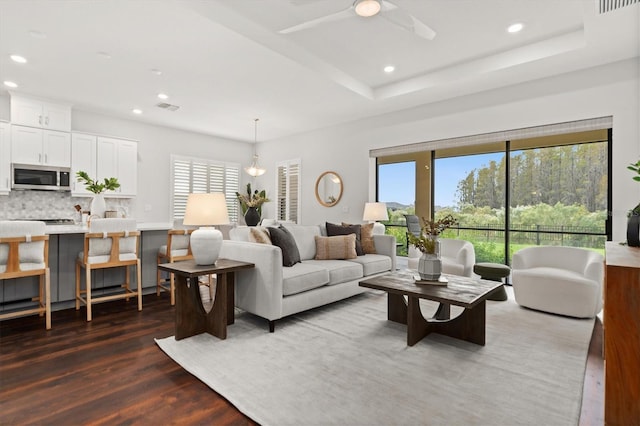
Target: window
(288, 191)
(551, 190)
(397, 188)
(195, 175)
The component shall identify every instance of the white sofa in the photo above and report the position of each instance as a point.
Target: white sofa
(273, 291)
(560, 280)
(458, 257)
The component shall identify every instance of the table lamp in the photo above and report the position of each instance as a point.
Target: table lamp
(206, 210)
(374, 212)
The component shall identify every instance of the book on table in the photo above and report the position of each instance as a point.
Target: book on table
(440, 281)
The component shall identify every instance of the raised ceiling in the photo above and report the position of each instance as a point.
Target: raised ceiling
(225, 63)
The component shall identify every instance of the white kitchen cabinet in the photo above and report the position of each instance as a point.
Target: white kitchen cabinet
(35, 112)
(5, 158)
(118, 158)
(30, 145)
(83, 157)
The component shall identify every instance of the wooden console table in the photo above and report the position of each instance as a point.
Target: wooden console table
(622, 335)
(191, 317)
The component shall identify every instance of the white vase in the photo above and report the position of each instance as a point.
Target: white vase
(98, 205)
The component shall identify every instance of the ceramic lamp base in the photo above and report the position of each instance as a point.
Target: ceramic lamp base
(206, 243)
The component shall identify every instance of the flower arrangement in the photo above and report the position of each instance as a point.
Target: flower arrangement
(429, 232)
(252, 199)
(95, 186)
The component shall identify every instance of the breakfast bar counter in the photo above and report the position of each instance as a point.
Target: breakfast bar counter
(65, 242)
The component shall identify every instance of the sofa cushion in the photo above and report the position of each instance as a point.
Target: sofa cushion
(338, 247)
(302, 277)
(335, 229)
(366, 238)
(373, 263)
(259, 234)
(305, 239)
(282, 238)
(340, 271)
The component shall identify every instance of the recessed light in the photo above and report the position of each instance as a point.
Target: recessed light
(37, 34)
(10, 84)
(514, 28)
(104, 55)
(19, 59)
(156, 71)
(367, 8)
(136, 111)
(389, 69)
(163, 96)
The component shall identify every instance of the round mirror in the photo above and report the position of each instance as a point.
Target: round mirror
(329, 189)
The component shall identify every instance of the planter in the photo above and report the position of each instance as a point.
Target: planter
(633, 230)
(252, 217)
(98, 206)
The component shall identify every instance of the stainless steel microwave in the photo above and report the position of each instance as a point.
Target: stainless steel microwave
(46, 178)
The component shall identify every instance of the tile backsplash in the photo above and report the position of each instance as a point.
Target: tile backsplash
(52, 205)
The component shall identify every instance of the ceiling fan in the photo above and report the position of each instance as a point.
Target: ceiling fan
(367, 9)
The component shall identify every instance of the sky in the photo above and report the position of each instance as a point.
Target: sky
(396, 182)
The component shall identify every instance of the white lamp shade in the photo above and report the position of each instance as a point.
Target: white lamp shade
(206, 210)
(375, 211)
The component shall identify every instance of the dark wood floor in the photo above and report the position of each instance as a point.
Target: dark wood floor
(111, 371)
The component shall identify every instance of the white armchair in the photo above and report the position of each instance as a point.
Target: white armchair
(560, 280)
(458, 257)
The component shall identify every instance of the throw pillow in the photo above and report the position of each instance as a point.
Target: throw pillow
(259, 234)
(282, 238)
(338, 247)
(335, 229)
(366, 238)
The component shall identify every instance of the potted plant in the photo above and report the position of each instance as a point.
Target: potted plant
(251, 205)
(430, 265)
(97, 187)
(633, 218)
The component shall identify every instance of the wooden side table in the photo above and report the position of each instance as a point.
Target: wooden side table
(191, 317)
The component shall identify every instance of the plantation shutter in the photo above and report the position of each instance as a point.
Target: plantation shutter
(232, 183)
(288, 191)
(181, 186)
(194, 175)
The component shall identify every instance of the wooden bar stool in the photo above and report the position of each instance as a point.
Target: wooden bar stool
(176, 249)
(24, 252)
(110, 243)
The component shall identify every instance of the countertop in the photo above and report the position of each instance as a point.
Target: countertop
(81, 229)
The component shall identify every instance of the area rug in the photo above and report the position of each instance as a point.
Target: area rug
(345, 364)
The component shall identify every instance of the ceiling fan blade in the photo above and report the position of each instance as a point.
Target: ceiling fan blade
(403, 19)
(338, 16)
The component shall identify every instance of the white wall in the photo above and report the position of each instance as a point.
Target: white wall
(608, 90)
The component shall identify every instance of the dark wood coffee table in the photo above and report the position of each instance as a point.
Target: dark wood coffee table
(468, 293)
(191, 317)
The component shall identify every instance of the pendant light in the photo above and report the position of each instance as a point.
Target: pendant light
(254, 169)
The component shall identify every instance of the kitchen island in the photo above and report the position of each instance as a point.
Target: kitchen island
(65, 242)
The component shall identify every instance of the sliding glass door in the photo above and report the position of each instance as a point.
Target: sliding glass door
(556, 189)
(472, 189)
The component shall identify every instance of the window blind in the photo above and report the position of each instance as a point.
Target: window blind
(493, 137)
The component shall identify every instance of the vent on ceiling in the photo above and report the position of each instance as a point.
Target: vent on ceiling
(170, 107)
(605, 6)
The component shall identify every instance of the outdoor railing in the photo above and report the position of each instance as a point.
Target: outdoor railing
(489, 240)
